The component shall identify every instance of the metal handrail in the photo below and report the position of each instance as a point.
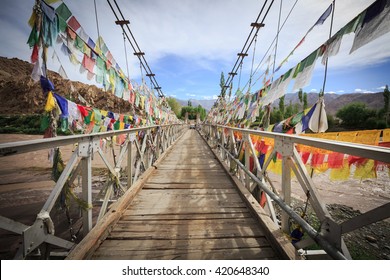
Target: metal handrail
(148, 150)
(330, 237)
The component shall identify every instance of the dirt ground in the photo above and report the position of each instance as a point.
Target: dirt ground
(25, 184)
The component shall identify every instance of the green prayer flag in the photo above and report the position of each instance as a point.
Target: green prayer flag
(63, 11)
(87, 119)
(33, 38)
(98, 116)
(79, 43)
(117, 125)
(62, 25)
(45, 121)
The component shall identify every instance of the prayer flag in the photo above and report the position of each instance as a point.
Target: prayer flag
(376, 23)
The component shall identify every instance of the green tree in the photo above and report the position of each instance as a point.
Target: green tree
(281, 106)
(222, 85)
(189, 103)
(300, 95)
(175, 106)
(304, 101)
(386, 97)
(356, 115)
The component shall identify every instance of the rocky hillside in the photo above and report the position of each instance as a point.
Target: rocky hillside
(19, 94)
(334, 102)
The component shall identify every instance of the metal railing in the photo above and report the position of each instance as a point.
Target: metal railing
(142, 146)
(329, 235)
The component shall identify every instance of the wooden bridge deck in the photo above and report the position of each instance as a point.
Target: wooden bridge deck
(188, 209)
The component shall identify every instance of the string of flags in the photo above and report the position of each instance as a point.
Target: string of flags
(57, 26)
(367, 26)
(79, 118)
(339, 165)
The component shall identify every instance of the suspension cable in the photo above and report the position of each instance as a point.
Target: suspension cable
(272, 43)
(253, 61)
(322, 92)
(97, 22)
(277, 38)
(248, 43)
(136, 48)
(127, 63)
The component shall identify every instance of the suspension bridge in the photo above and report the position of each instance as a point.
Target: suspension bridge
(179, 193)
(171, 192)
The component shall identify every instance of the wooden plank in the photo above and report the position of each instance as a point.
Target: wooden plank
(201, 244)
(232, 254)
(202, 191)
(176, 222)
(196, 234)
(187, 210)
(183, 217)
(190, 180)
(188, 197)
(192, 186)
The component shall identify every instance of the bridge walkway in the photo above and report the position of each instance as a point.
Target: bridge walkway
(189, 208)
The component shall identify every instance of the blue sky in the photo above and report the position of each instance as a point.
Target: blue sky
(189, 42)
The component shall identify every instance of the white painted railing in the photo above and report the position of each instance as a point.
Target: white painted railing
(141, 146)
(329, 236)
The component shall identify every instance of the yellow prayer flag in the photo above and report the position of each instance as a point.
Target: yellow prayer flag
(340, 173)
(386, 135)
(368, 137)
(50, 102)
(365, 170)
(31, 21)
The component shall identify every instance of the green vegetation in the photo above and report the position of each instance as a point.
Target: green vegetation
(222, 85)
(26, 124)
(175, 106)
(23, 124)
(357, 116)
(192, 111)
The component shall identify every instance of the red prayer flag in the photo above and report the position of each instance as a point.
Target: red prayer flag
(317, 159)
(335, 160)
(34, 55)
(88, 63)
(73, 23)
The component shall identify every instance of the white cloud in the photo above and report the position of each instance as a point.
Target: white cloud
(313, 90)
(331, 92)
(190, 95)
(359, 90)
(207, 34)
(381, 88)
(211, 97)
(341, 91)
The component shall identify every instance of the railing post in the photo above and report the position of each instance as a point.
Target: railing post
(245, 139)
(130, 160)
(86, 171)
(285, 147)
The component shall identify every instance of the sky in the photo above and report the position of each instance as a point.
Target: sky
(188, 43)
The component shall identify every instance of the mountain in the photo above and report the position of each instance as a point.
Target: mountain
(334, 102)
(207, 104)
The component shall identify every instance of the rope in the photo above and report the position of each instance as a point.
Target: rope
(326, 62)
(97, 21)
(239, 77)
(124, 44)
(277, 37)
(253, 61)
(272, 43)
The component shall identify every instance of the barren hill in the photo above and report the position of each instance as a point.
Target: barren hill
(19, 94)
